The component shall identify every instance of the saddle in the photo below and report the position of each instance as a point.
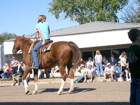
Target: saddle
(45, 48)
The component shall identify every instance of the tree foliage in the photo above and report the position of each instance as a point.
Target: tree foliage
(85, 11)
(131, 14)
(5, 36)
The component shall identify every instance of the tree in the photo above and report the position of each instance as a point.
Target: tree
(131, 14)
(85, 11)
(5, 36)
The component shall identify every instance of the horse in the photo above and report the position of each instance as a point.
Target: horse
(62, 53)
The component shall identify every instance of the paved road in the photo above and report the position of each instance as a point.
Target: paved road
(96, 93)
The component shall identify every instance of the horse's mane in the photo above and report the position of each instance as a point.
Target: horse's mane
(26, 40)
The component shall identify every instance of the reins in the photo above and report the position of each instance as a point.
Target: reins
(36, 37)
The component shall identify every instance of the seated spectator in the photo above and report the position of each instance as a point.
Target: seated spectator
(81, 62)
(5, 73)
(21, 67)
(82, 70)
(117, 71)
(113, 61)
(108, 72)
(41, 73)
(90, 73)
(90, 62)
(17, 78)
(104, 62)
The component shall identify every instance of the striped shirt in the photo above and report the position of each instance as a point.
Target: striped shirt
(14, 63)
(43, 26)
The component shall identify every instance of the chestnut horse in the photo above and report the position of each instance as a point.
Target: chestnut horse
(63, 54)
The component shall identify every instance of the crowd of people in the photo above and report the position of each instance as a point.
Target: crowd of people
(101, 67)
(97, 67)
(14, 71)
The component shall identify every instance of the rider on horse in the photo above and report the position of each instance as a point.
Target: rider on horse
(44, 33)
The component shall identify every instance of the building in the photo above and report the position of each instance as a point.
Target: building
(108, 37)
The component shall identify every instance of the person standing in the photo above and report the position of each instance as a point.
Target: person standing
(44, 33)
(98, 63)
(133, 57)
(14, 65)
(123, 58)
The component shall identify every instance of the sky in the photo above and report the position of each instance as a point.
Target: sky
(20, 16)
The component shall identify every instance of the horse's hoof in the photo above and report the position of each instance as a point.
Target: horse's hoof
(58, 93)
(70, 91)
(34, 92)
(27, 92)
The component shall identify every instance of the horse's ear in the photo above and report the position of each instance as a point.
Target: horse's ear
(23, 35)
(15, 35)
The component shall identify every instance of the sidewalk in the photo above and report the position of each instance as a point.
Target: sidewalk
(52, 81)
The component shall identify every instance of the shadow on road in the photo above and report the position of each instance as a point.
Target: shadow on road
(76, 90)
(64, 103)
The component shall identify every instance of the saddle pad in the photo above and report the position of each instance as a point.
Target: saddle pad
(48, 48)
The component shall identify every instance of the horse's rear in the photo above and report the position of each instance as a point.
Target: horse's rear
(63, 54)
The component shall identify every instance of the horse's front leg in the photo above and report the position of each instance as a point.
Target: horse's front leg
(24, 80)
(35, 81)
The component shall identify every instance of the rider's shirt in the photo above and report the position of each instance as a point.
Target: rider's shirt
(44, 28)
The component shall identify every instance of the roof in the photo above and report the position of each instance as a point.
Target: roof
(92, 27)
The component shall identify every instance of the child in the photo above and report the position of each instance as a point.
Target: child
(133, 57)
(44, 33)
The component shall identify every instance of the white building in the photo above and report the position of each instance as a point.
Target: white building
(110, 38)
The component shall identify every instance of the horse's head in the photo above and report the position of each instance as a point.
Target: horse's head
(17, 43)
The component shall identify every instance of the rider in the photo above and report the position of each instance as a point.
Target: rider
(44, 33)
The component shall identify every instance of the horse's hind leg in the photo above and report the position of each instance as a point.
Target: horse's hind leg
(71, 73)
(63, 73)
(35, 81)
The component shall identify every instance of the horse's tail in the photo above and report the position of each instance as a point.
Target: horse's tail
(76, 54)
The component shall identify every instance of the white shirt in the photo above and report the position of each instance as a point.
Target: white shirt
(90, 63)
(107, 69)
(122, 59)
(98, 58)
(5, 69)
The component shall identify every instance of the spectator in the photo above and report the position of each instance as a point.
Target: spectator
(5, 73)
(82, 70)
(47, 72)
(108, 72)
(127, 73)
(81, 62)
(104, 62)
(17, 78)
(14, 65)
(89, 73)
(21, 67)
(134, 66)
(90, 62)
(113, 61)
(98, 63)
(117, 71)
(123, 64)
